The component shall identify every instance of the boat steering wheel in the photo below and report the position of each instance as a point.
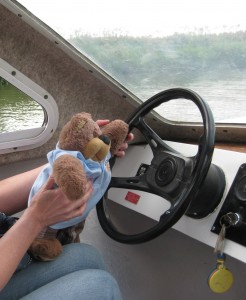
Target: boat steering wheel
(170, 175)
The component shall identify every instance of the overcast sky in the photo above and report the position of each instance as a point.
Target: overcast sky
(138, 17)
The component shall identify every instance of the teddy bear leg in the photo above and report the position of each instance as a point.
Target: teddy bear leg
(45, 249)
(46, 246)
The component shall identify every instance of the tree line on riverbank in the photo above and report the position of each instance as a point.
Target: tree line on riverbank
(180, 56)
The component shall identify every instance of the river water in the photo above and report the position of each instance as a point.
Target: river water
(227, 100)
(18, 111)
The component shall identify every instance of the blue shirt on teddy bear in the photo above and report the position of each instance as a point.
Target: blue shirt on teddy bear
(98, 172)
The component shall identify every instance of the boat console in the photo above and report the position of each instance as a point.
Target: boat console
(146, 208)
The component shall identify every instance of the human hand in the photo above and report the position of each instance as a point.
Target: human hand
(121, 151)
(50, 206)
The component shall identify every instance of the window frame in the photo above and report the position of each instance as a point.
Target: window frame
(29, 138)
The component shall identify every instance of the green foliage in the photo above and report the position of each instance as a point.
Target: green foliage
(3, 82)
(179, 58)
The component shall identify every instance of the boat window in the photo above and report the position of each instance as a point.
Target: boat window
(152, 45)
(18, 111)
(28, 114)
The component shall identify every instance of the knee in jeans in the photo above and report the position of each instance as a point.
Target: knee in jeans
(84, 253)
(101, 283)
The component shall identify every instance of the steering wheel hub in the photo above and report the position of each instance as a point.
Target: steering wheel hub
(166, 172)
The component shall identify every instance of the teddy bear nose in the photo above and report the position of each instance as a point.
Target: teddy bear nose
(105, 139)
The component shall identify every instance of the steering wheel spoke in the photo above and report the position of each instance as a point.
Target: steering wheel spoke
(135, 183)
(155, 142)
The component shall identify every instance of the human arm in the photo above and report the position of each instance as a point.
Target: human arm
(49, 206)
(14, 191)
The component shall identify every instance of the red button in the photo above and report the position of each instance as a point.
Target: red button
(132, 197)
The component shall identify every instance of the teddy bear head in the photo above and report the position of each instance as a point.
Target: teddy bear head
(83, 134)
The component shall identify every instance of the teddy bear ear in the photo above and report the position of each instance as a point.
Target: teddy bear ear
(81, 116)
(117, 131)
(79, 121)
(85, 115)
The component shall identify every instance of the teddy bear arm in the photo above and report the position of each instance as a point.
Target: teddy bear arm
(117, 131)
(70, 176)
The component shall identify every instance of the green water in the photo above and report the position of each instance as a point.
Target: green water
(17, 110)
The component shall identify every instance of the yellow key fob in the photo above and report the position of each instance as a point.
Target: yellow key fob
(220, 280)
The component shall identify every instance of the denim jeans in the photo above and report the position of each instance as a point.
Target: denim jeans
(78, 273)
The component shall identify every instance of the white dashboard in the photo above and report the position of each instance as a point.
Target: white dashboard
(199, 229)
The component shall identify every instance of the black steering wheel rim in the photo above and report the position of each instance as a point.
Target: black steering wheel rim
(199, 172)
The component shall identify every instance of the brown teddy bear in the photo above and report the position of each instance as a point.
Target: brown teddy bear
(82, 153)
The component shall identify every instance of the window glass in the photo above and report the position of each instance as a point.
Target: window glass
(150, 46)
(17, 110)
(28, 113)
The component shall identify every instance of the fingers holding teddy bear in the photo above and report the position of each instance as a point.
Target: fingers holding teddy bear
(120, 152)
(51, 205)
